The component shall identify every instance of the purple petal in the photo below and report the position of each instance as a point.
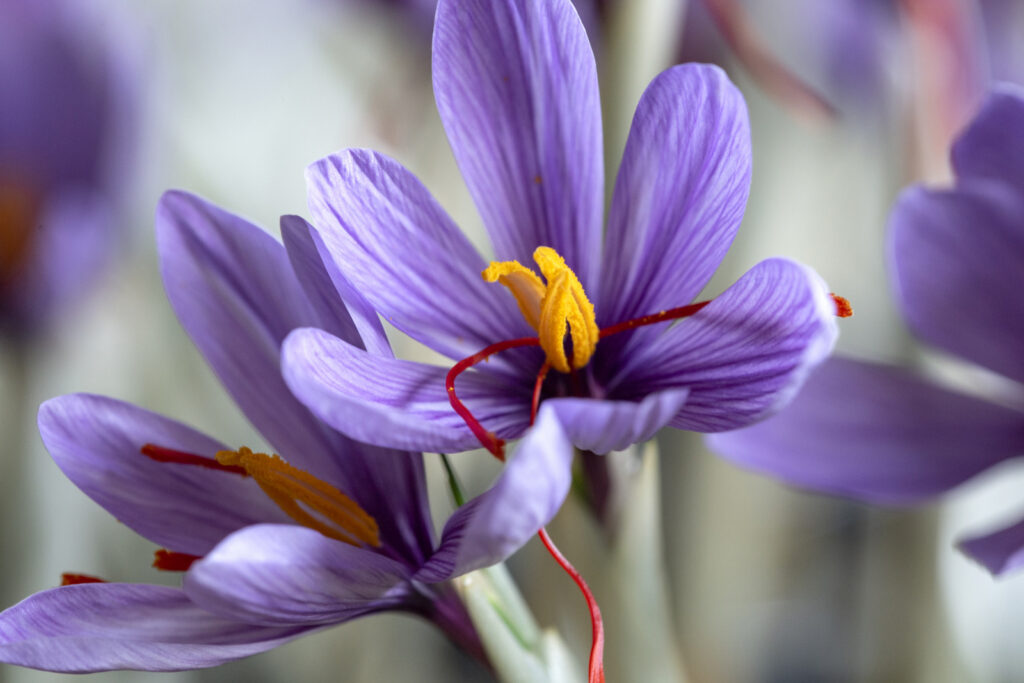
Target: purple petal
(105, 626)
(287, 575)
(602, 425)
(395, 244)
(992, 147)
(234, 290)
(96, 442)
(516, 87)
(525, 497)
(1001, 551)
(396, 403)
(958, 258)
(340, 309)
(876, 433)
(742, 356)
(680, 194)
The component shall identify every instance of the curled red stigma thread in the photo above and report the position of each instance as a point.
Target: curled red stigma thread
(489, 440)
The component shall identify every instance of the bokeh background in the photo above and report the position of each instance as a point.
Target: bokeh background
(745, 579)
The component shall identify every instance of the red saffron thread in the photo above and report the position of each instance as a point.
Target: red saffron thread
(170, 561)
(67, 579)
(596, 664)
(843, 307)
(161, 454)
(488, 439)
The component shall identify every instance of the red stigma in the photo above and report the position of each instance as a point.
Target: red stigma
(75, 579)
(161, 454)
(843, 307)
(487, 439)
(169, 561)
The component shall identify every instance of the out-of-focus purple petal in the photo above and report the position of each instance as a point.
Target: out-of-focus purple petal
(516, 87)
(680, 195)
(396, 245)
(396, 403)
(742, 356)
(603, 425)
(525, 497)
(286, 574)
(340, 309)
(1000, 552)
(958, 259)
(992, 147)
(72, 242)
(96, 442)
(877, 433)
(105, 626)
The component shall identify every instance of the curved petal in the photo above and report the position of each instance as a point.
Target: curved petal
(744, 355)
(285, 574)
(396, 245)
(958, 259)
(96, 442)
(1000, 552)
(992, 147)
(876, 433)
(603, 425)
(516, 87)
(524, 498)
(235, 292)
(396, 403)
(340, 309)
(680, 195)
(106, 626)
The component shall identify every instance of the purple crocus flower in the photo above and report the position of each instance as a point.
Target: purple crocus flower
(883, 434)
(340, 531)
(516, 87)
(63, 129)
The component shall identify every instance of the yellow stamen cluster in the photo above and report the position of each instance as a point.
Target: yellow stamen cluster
(558, 308)
(292, 488)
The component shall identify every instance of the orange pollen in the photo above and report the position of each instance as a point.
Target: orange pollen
(75, 579)
(306, 499)
(169, 561)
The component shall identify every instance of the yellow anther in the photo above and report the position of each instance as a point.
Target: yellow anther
(524, 284)
(292, 488)
(559, 308)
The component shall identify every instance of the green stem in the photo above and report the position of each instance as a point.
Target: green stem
(453, 481)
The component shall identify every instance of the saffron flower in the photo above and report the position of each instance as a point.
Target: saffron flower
(883, 434)
(271, 549)
(64, 132)
(516, 88)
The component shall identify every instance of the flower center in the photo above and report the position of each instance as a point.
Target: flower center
(18, 214)
(555, 309)
(307, 500)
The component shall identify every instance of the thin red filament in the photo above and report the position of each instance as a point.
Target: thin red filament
(596, 664)
(487, 439)
(161, 454)
(170, 561)
(67, 579)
